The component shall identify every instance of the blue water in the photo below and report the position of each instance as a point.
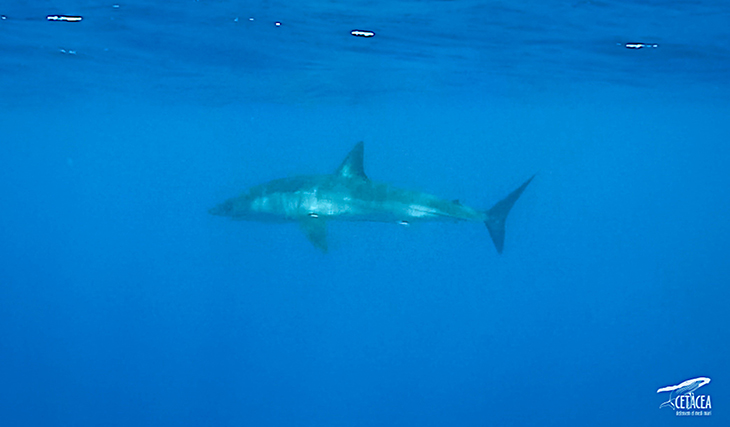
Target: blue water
(123, 302)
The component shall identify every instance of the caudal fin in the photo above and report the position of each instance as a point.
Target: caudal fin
(667, 403)
(497, 215)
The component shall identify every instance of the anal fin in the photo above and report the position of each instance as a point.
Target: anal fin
(316, 231)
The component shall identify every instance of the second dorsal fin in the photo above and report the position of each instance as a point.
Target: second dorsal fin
(352, 166)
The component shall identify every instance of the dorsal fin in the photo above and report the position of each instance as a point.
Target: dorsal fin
(352, 166)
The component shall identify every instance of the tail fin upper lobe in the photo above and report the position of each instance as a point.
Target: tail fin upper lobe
(497, 215)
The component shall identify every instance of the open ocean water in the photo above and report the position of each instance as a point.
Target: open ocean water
(124, 303)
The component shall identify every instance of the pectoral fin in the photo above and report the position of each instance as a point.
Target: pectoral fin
(316, 231)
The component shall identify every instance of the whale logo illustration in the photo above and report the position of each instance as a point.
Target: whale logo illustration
(684, 388)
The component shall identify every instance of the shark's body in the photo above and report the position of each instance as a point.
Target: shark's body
(350, 195)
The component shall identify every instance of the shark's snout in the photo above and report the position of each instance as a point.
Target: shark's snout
(223, 209)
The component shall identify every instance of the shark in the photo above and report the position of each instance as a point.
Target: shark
(348, 194)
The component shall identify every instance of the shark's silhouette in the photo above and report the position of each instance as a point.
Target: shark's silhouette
(349, 195)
